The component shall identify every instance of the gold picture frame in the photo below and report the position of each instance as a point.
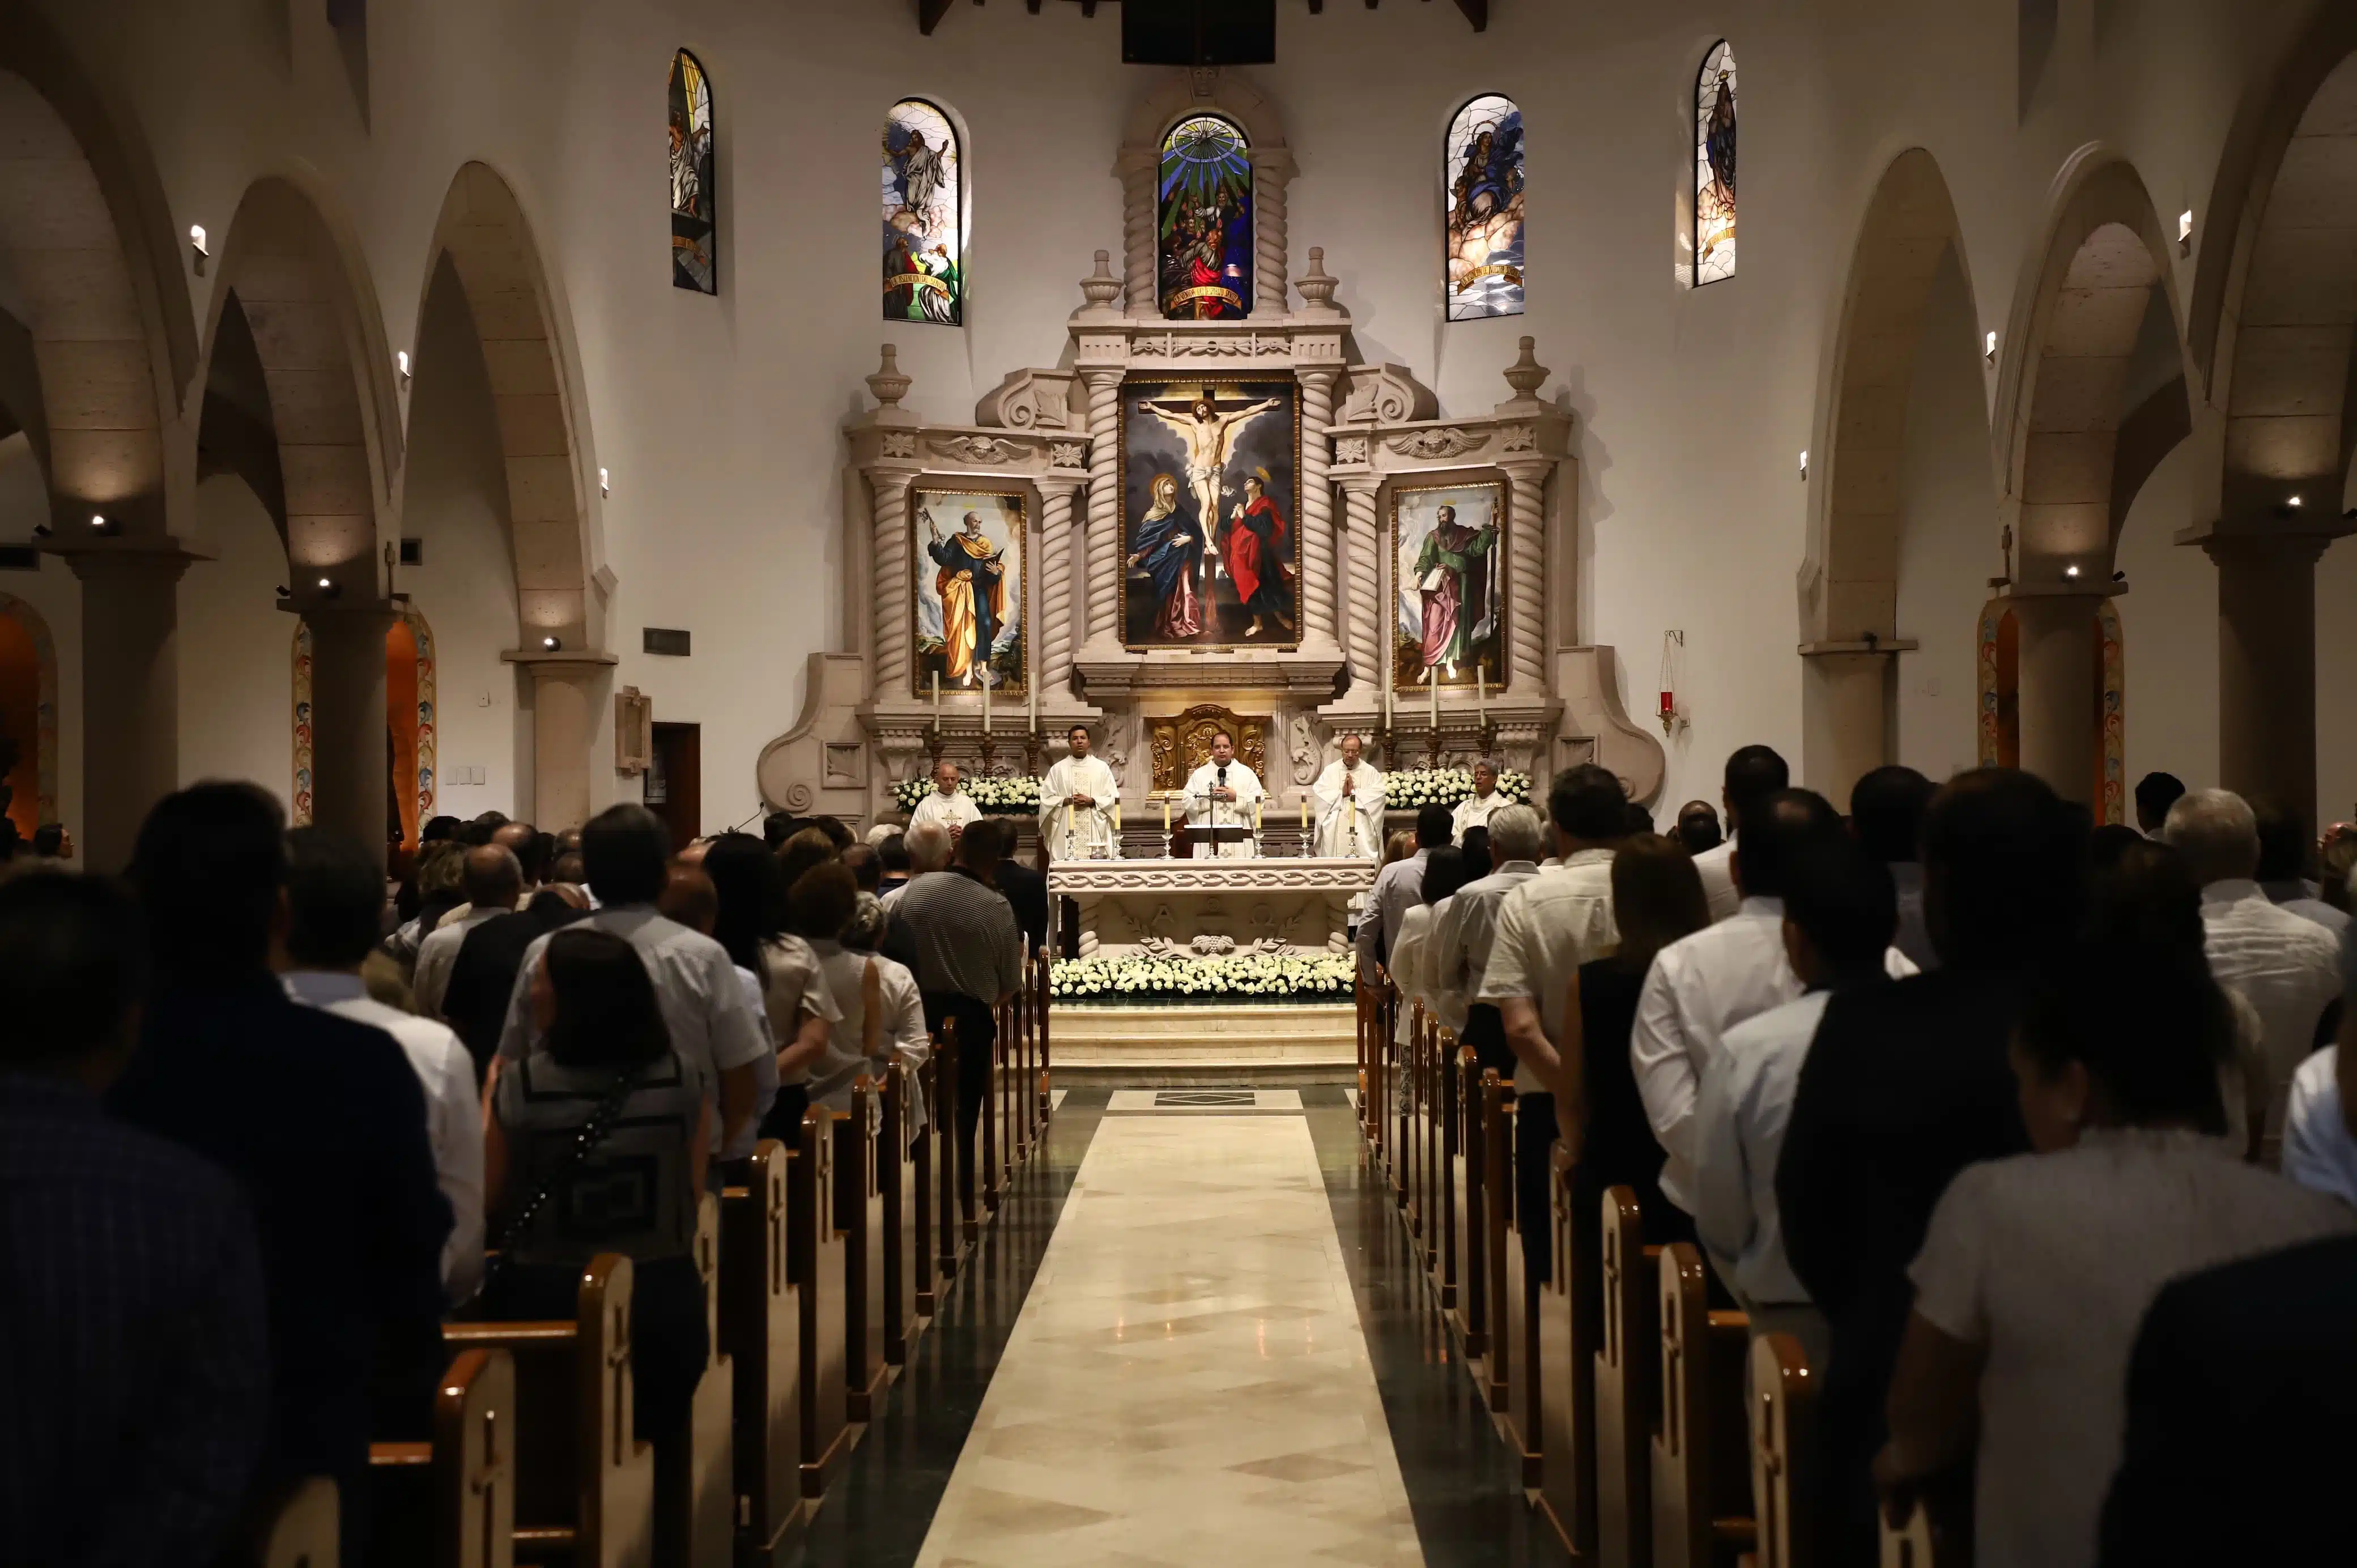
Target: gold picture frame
(1162, 433)
(937, 516)
(1482, 595)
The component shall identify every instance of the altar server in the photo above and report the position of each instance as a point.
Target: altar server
(1350, 796)
(1473, 811)
(1076, 805)
(948, 808)
(1225, 793)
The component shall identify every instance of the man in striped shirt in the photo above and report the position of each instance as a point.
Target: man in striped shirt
(969, 954)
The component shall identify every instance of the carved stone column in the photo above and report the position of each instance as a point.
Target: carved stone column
(1105, 507)
(1317, 540)
(568, 695)
(891, 585)
(2058, 690)
(1526, 582)
(2266, 665)
(1138, 168)
(351, 786)
(1362, 556)
(130, 691)
(1272, 172)
(1059, 628)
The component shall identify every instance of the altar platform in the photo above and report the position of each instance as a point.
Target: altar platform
(1184, 1043)
(1301, 901)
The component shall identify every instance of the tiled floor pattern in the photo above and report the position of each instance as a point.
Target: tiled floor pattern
(1204, 1099)
(1188, 1381)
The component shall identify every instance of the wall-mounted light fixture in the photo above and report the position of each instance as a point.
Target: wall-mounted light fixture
(2185, 233)
(552, 643)
(2294, 502)
(1988, 349)
(199, 249)
(1804, 462)
(97, 522)
(605, 483)
(401, 362)
(2070, 571)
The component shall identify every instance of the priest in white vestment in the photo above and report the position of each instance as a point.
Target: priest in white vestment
(1225, 793)
(1475, 809)
(1350, 796)
(1076, 805)
(948, 808)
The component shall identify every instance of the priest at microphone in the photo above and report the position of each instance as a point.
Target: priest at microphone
(1225, 793)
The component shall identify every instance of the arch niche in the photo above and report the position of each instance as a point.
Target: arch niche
(519, 323)
(2086, 410)
(1906, 323)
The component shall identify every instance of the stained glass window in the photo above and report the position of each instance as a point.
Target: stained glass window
(924, 185)
(1714, 211)
(1205, 255)
(1482, 187)
(694, 203)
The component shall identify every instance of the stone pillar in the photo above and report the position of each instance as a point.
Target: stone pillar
(2058, 690)
(1137, 169)
(1526, 579)
(1059, 630)
(1845, 735)
(569, 690)
(130, 692)
(1272, 171)
(1104, 508)
(1317, 540)
(891, 585)
(1362, 556)
(2266, 665)
(351, 782)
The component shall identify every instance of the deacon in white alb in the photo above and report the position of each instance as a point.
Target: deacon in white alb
(1350, 796)
(1473, 811)
(948, 808)
(1224, 794)
(1076, 805)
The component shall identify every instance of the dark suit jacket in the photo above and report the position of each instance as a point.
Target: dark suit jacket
(323, 1124)
(1026, 890)
(2241, 1416)
(1904, 1086)
(483, 976)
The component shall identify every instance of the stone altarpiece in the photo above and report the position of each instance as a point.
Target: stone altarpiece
(1052, 436)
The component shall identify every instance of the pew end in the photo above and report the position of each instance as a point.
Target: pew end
(816, 1266)
(1701, 1482)
(450, 1502)
(760, 1326)
(696, 1500)
(1783, 1453)
(1917, 1543)
(1627, 1385)
(1567, 1364)
(298, 1529)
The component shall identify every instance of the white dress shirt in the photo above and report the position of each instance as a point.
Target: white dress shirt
(1399, 887)
(1075, 832)
(1716, 866)
(1739, 1118)
(901, 1036)
(764, 1069)
(437, 953)
(2288, 969)
(2300, 897)
(454, 1112)
(1350, 825)
(1547, 928)
(1475, 811)
(1701, 986)
(950, 813)
(1407, 967)
(2318, 1151)
(1462, 937)
(1204, 812)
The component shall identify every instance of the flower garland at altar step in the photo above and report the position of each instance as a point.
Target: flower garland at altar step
(996, 795)
(1237, 977)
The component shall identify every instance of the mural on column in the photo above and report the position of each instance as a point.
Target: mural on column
(1204, 259)
(2000, 702)
(1210, 502)
(969, 590)
(1483, 192)
(695, 200)
(412, 725)
(28, 716)
(1714, 208)
(924, 189)
(1450, 562)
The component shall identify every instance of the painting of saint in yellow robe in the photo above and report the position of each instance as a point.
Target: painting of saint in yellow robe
(969, 591)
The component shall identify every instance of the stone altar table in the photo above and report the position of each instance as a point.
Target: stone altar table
(1301, 902)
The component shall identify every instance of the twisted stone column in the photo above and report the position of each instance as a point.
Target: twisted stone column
(1059, 628)
(1525, 590)
(1272, 168)
(1137, 231)
(891, 585)
(1104, 505)
(1362, 554)
(1317, 540)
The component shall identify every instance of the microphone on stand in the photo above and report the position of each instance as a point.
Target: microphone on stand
(1222, 784)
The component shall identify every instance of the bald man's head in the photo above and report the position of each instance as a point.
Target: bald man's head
(690, 898)
(491, 877)
(513, 836)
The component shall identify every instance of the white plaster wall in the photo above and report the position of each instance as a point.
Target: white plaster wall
(719, 417)
(237, 648)
(2168, 635)
(2335, 683)
(56, 593)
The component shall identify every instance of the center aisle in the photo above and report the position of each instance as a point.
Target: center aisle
(1189, 1378)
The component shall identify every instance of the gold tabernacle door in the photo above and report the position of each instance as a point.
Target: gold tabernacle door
(1182, 743)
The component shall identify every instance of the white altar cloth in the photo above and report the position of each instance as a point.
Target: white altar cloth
(1302, 902)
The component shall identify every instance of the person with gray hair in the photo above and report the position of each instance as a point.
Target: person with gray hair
(492, 879)
(928, 851)
(1476, 810)
(1460, 942)
(2287, 967)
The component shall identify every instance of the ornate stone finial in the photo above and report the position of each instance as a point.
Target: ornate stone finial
(889, 385)
(1318, 286)
(1526, 375)
(1101, 288)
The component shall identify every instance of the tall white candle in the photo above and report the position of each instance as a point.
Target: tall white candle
(1433, 690)
(1480, 693)
(937, 699)
(986, 701)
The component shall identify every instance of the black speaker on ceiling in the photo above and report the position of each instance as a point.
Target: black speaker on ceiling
(1199, 32)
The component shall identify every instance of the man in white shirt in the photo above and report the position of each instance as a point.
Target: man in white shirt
(1464, 932)
(1350, 798)
(1547, 927)
(335, 902)
(1224, 794)
(625, 853)
(1753, 773)
(948, 808)
(2287, 967)
(1077, 802)
(2320, 1141)
(1702, 985)
(492, 879)
(1399, 887)
(1475, 809)
(1840, 913)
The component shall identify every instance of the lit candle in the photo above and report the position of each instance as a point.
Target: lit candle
(1031, 706)
(1165, 822)
(986, 701)
(1435, 691)
(937, 701)
(1305, 816)
(1480, 693)
(1387, 707)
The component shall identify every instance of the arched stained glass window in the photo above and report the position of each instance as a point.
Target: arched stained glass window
(694, 203)
(1713, 208)
(1481, 181)
(924, 216)
(1204, 258)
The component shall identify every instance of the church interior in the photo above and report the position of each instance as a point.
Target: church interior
(1289, 447)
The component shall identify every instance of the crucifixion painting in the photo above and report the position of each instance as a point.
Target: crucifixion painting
(1211, 510)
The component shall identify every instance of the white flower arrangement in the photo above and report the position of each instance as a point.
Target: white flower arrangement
(996, 795)
(1411, 788)
(1234, 977)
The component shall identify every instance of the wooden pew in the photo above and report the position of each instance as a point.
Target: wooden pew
(1400, 1079)
(1448, 1168)
(1783, 1454)
(1568, 1346)
(761, 1329)
(1412, 1119)
(1043, 995)
(815, 1253)
(584, 1486)
(1702, 1504)
(1518, 1316)
(860, 1221)
(1430, 1187)
(299, 1528)
(696, 1494)
(949, 1167)
(1628, 1388)
(1473, 1225)
(908, 1252)
(1917, 1543)
(1362, 1010)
